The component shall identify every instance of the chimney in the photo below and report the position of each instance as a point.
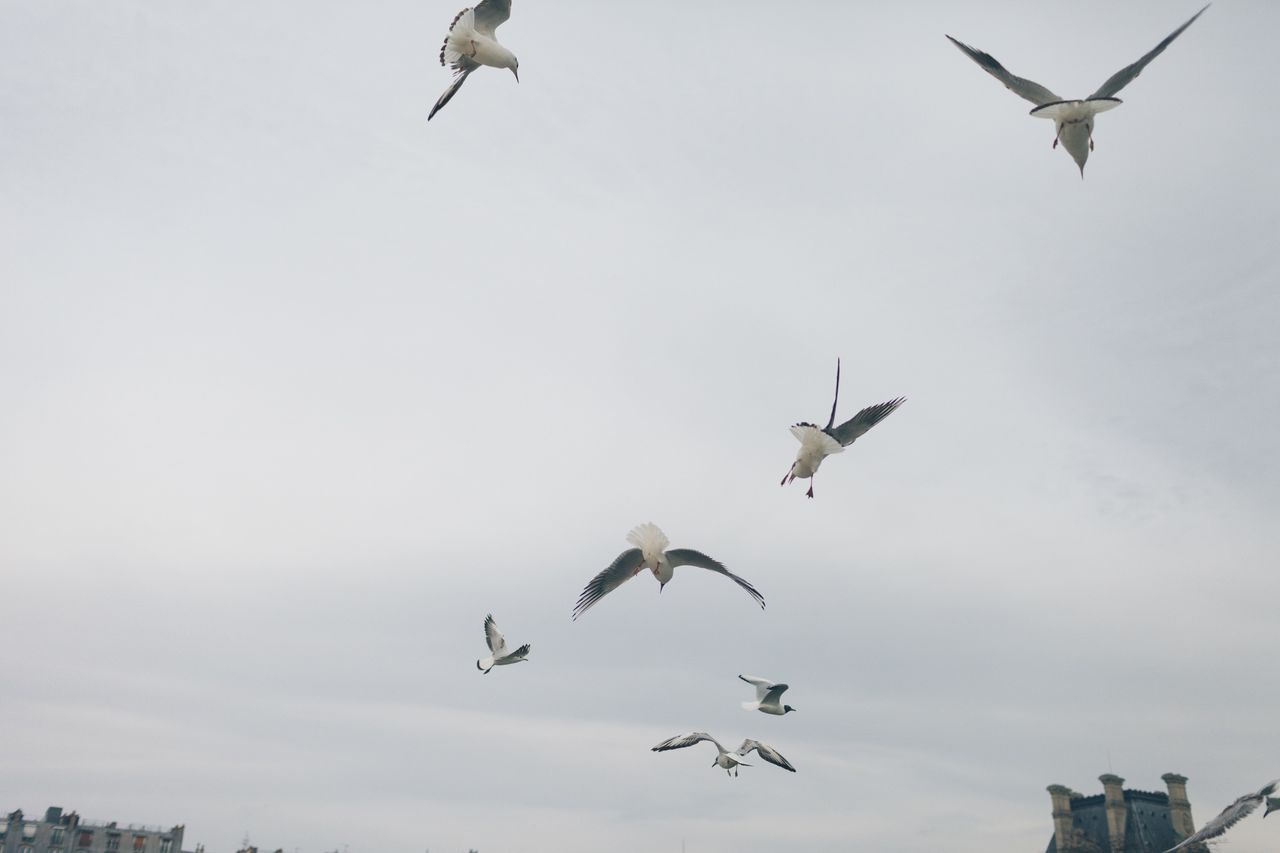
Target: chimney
(1179, 805)
(1061, 797)
(1116, 811)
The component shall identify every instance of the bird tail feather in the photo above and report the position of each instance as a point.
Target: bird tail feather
(649, 538)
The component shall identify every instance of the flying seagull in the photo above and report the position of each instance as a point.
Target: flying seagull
(471, 43)
(817, 444)
(498, 654)
(768, 695)
(726, 760)
(651, 552)
(1229, 817)
(1074, 118)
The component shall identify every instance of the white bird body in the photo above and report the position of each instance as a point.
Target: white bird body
(1073, 118)
(651, 552)
(817, 443)
(472, 42)
(727, 761)
(1228, 817)
(768, 696)
(498, 654)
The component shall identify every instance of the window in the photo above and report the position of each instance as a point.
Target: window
(139, 843)
(28, 831)
(113, 841)
(86, 838)
(166, 845)
(55, 837)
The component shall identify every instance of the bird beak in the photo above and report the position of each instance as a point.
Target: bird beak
(660, 586)
(517, 73)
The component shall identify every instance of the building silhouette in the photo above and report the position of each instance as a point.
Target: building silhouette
(67, 833)
(1119, 820)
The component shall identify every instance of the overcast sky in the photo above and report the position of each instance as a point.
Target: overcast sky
(297, 387)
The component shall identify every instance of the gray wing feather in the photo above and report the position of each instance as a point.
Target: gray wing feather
(493, 637)
(519, 654)
(690, 557)
(1023, 88)
(490, 14)
(848, 431)
(624, 568)
(1227, 818)
(774, 693)
(461, 78)
(766, 752)
(1125, 75)
(681, 741)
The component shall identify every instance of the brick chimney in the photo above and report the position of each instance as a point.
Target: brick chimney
(1179, 805)
(1112, 788)
(1061, 797)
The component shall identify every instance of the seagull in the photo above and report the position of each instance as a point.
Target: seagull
(498, 654)
(1229, 816)
(767, 696)
(1074, 118)
(651, 553)
(817, 444)
(726, 760)
(471, 43)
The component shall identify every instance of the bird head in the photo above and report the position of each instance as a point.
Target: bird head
(787, 709)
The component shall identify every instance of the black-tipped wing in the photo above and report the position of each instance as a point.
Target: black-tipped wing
(519, 654)
(1125, 75)
(624, 568)
(681, 741)
(493, 637)
(863, 421)
(1020, 86)
(690, 557)
(766, 752)
(774, 694)
(490, 14)
(461, 78)
(1227, 818)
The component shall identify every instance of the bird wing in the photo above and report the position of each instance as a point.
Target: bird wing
(1023, 88)
(458, 80)
(690, 557)
(1268, 789)
(624, 568)
(493, 637)
(848, 431)
(766, 752)
(490, 14)
(681, 741)
(762, 685)
(1226, 819)
(519, 654)
(773, 694)
(1125, 75)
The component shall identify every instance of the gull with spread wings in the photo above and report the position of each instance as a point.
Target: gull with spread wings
(1074, 118)
(728, 761)
(817, 443)
(651, 552)
(1229, 817)
(768, 696)
(471, 43)
(498, 654)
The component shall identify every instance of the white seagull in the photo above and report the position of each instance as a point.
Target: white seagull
(498, 654)
(726, 760)
(1229, 817)
(471, 43)
(651, 553)
(768, 695)
(1074, 118)
(817, 444)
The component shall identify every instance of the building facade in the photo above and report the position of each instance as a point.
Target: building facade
(1119, 820)
(67, 833)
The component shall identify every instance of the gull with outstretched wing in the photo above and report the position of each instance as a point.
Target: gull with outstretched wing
(1073, 118)
(768, 696)
(817, 443)
(498, 654)
(1228, 817)
(651, 552)
(472, 42)
(728, 761)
